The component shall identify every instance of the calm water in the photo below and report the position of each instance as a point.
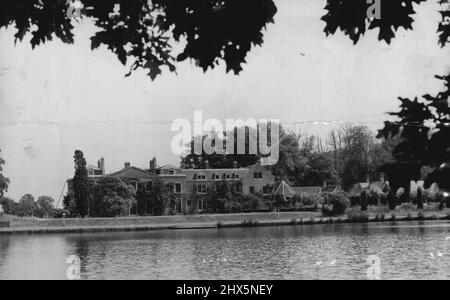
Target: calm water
(414, 250)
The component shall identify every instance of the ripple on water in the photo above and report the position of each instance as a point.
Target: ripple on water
(406, 250)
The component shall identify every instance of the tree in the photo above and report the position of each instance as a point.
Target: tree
(45, 207)
(292, 157)
(424, 125)
(70, 204)
(352, 19)
(319, 170)
(26, 206)
(335, 141)
(358, 154)
(112, 198)
(222, 160)
(148, 34)
(424, 130)
(357, 141)
(82, 187)
(4, 182)
(9, 206)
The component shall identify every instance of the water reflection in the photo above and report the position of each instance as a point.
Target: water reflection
(336, 251)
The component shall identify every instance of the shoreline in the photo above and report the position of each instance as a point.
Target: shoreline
(246, 222)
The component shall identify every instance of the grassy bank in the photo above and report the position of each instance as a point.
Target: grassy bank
(17, 223)
(353, 215)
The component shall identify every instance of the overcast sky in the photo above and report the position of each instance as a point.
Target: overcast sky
(59, 98)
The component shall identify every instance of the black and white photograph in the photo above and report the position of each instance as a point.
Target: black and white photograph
(209, 142)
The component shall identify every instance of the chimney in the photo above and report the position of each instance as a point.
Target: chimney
(102, 165)
(382, 177)
(368, 178)
(206, 164)
(153, 165)
(127, 165)
(235, 165)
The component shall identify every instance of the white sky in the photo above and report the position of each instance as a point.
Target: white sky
(59, 98)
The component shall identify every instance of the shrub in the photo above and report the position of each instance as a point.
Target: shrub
(327, 211)
(253, 202)
(233, 207)
(61, 213)
(433, 194)
(337, 204)
(311, 200)
(421, 216)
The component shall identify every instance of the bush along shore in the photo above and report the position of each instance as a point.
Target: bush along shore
(352, 215)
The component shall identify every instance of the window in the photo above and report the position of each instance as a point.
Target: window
(171, 172)
(202, 205)
(236, 176)
(201, 177)
(252, 189)
(134, 184)
(177, 188)
(228, 176)
(257, 175)
(148, 186)
(267, 190)
(217, 177)
(169, 188)
(201, 189)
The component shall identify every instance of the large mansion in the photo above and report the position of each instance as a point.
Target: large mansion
(188, 184)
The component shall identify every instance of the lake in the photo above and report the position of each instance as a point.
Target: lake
(406, 250)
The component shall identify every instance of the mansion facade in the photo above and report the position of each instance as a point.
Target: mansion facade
(188, 184)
